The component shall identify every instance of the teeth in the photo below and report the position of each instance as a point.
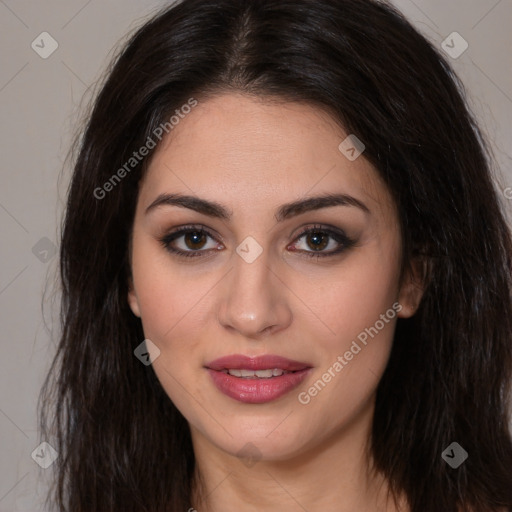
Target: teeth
(260, 374)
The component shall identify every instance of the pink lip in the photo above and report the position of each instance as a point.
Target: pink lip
(256, 390)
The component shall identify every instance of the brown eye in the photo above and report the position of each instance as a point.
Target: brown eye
(319, 240)
(188, 241)
(195, 239)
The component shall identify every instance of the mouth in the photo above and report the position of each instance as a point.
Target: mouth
(256, 380)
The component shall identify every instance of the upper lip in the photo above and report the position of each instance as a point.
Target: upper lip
(269, 361)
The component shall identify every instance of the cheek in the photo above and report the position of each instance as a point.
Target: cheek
(362, 289)
(176, 303)
(357, 307)
(169, 294)
(172, 303)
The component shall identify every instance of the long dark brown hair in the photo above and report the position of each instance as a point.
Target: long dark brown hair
(122, 444)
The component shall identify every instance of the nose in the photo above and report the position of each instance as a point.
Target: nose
(255, 298)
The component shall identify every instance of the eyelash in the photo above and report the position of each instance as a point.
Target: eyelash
(339, 237)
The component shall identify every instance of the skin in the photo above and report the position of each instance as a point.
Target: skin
(252, 156)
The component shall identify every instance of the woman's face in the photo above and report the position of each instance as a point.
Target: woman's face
(254, 284)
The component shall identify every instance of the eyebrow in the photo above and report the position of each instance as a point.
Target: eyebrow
(284, 212)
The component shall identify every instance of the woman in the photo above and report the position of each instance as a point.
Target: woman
(286, 274)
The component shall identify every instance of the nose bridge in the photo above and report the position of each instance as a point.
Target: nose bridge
(254, 301)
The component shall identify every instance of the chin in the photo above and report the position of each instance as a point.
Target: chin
(270, 439)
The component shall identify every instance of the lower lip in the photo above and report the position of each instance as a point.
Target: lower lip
(257, 391)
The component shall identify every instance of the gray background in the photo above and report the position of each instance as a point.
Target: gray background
(41, 101)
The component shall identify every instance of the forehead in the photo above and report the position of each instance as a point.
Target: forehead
(259, 153)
